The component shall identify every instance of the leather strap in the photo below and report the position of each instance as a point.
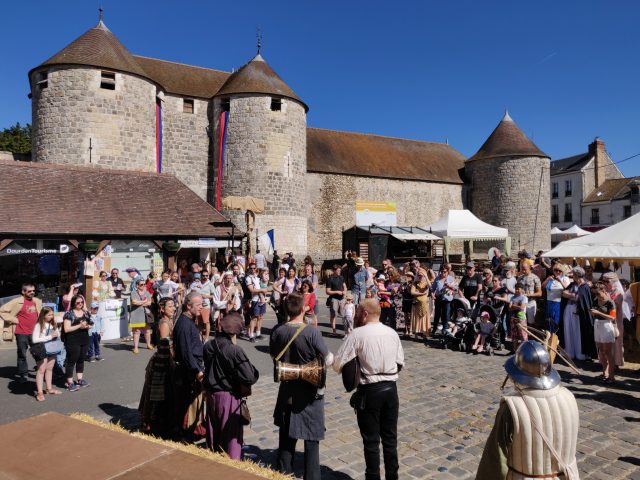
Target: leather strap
(286, 347)
(531, 475)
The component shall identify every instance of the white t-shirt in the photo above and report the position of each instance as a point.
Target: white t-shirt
(378, 349)
(261, 261)
(554, 290)
(348, 310)
(255, 281)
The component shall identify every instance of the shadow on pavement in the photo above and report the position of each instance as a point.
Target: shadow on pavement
(268, 457)
(610, 397)
(126, 417)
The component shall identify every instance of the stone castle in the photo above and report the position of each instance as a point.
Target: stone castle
(96, 104)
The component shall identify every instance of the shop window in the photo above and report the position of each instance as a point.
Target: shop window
(554, 190)
(276, 104)
(225, 105)
(108, 80)
(595, 216)
(568, 213)
(567, 188)
(554, 214)
(44, 80)
(188, 105)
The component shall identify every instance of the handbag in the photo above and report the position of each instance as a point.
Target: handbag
(351, 374)
(148, 316)
(53, 347)
(245, 414)
(38, 351)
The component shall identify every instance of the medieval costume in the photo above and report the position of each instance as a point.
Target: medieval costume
(536, 429)
(187, 347)
(157, 404)
(228, 377)
(299, 410)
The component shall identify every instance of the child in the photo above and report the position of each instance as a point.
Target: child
(453, 326)
(263, 276)
(518, 309)
(486, 329)
(95, 334)
(605, 332)
(348, 312)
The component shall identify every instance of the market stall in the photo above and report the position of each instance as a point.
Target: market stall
(465, 226)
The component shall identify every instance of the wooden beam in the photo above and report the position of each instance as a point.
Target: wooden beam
(5, 243)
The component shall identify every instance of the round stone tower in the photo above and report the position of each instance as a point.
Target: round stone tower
(92, 103)
(509, 186)
(264, 149)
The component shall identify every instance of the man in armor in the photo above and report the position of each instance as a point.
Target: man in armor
(536, 428)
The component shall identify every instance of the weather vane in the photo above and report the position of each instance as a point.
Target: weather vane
(259, 35)
(101, 10)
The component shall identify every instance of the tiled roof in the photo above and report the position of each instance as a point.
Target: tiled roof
(570, 164)
(258, 77)
(507, 140)
(348, 153)
(97, 203)
(610, 189)
(181, 79)
(97, 47)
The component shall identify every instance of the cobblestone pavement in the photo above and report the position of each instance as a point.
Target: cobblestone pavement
(447, 405)
(448, 402)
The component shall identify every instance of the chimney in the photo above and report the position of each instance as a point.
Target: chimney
(597, 150)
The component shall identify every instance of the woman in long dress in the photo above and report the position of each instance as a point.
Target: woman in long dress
(420, 323)
(572, 339)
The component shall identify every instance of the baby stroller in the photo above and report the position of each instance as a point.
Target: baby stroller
(458, 340)
(492, 343)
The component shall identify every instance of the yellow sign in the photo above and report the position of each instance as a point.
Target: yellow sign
(376, 213)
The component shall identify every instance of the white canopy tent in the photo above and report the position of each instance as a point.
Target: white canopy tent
(464, 225)
(555, 231)
(617, 242)
(575, 231)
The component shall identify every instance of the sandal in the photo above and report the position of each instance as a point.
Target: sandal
(136, 351)
(40, 397)
(53, 391)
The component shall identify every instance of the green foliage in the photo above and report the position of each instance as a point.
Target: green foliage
(16, 139)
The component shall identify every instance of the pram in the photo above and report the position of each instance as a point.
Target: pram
(456, 341)
(492, 343)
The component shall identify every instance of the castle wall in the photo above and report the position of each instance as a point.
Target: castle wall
(265, 158)
(332, 200)
(186, 144)
(513, 193)
(74, 109)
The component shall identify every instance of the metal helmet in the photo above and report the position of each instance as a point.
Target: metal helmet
(531, 367)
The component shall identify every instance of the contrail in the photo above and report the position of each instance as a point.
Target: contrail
(548, 57)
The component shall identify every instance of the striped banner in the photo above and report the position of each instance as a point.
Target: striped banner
(158, 137)
(224, 120)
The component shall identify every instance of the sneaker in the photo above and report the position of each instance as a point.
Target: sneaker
(91, 360)
(72, 387)
(252, 339)
(82, 383)
(23, 379)
(99, 359)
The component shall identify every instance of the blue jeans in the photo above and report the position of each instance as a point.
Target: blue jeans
(23, 342)
(357, 296)
(94, 345)
(442, 314)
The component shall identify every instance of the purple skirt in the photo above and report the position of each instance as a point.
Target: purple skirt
(224, 424)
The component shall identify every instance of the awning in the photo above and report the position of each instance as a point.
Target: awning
(207, 243)
(414, 236)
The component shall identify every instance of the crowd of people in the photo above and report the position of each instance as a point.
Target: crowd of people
(198, 379)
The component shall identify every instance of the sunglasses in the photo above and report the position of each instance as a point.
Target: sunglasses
(29, 291)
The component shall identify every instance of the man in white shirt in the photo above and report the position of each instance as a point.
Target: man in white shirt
(257, 308)
(381, 357)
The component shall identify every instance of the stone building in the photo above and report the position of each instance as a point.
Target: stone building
(509, 179)
(245, 134)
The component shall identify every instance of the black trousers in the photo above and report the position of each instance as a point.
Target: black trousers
(388, 317)
(378, 421)
(287, 450)
(23, 342)
(441, 315)
(75, 358)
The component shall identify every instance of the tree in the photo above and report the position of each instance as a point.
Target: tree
(16, 139)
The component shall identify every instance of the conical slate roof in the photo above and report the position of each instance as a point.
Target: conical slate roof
(507, 140)
(258, 77)
(97, 47)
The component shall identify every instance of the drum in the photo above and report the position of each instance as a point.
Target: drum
(314, 372)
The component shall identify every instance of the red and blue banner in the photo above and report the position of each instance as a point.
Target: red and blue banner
(158, 137)
(224, 121)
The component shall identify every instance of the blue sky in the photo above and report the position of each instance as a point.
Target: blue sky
(567, 71)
